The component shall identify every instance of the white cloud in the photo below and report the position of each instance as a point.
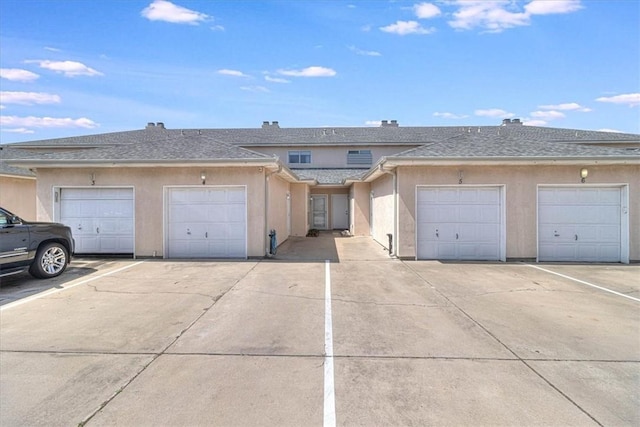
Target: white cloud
(52, 49)
(450, 115)
(426, 10)
(529, 122)
(630, 99)
(257, 89)
(314, 71)
(217, 28)
(162, 10)
(490, 15)
(68, 68)
(47, 122)
(494, 112)
(364, 52)
(570, 106)
(18, 130)
(548, 115)
(276, 79)
(28, 98)
(233, 73)
(403, 28)
(610, 130)
(373, 123)
(17, 75)
(546, 7)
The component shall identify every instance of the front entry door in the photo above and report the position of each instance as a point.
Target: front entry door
(319, 212)
(339, 211)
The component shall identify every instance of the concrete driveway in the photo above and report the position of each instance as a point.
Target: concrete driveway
(259, 343)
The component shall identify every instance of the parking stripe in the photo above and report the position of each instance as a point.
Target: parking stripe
(585, 283)
(55, 291)
(329, 389)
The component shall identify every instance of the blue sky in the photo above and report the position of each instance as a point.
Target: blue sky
(81, 67)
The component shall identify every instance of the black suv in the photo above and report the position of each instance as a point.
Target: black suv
(44, 248)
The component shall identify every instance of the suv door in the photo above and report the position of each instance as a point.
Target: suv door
(14, 238)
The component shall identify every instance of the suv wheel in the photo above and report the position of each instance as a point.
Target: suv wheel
(51, 260)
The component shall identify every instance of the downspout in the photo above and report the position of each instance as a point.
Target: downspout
(266, 208)
(394, 240)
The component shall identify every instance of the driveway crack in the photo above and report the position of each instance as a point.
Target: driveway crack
(164, 350)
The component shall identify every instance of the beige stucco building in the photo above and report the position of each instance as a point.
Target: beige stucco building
(461, 193)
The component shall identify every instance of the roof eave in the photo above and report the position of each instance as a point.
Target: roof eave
(31, 163)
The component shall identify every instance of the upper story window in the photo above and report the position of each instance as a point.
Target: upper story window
(359, 157)
(296, 157)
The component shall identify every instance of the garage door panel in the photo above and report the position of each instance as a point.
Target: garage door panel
(101, 219)
(579, 224)
(459, 223)
(216, 218)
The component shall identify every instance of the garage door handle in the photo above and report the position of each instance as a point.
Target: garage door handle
(188, 231)
(206, 234)
(79, 226)
(555, 234)
(576, 237)
(98, 230)
(437, 235)
(456, 236)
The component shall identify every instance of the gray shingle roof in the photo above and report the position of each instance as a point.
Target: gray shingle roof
(175, 148)
(333, 135)
(330, 176)
(484, 145)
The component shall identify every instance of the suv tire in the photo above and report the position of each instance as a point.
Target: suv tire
(50, 261)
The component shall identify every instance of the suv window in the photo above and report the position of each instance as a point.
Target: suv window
(4, 217)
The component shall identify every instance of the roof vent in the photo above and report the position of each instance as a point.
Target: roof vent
(266, 125)
(150, 125)
(386, 123)
(160, 125)
(509, 122)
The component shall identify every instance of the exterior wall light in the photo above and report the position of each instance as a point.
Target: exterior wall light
(93, 178)
(583, 174)
(460, 176)
(203, 177)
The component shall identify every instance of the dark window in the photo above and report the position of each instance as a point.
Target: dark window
(296, 157)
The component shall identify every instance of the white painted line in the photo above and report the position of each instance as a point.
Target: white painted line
(585, 283)
(329, 390)
(55, 291)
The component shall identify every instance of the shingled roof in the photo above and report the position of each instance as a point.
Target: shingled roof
(483, 145)
(331, 136)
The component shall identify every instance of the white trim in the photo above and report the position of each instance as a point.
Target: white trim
(165, 217)
(56, 203)
(624, 214)
(502, 188)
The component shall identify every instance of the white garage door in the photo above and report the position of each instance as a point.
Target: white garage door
(579, 224)
(101, 219)
(207, 222)
(461, 223)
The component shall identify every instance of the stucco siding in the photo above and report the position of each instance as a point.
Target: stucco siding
(149, 188)
(383, 207)
(18, 195)
(360, 195)
(521, 183)
(277, 217)
(299, 209)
